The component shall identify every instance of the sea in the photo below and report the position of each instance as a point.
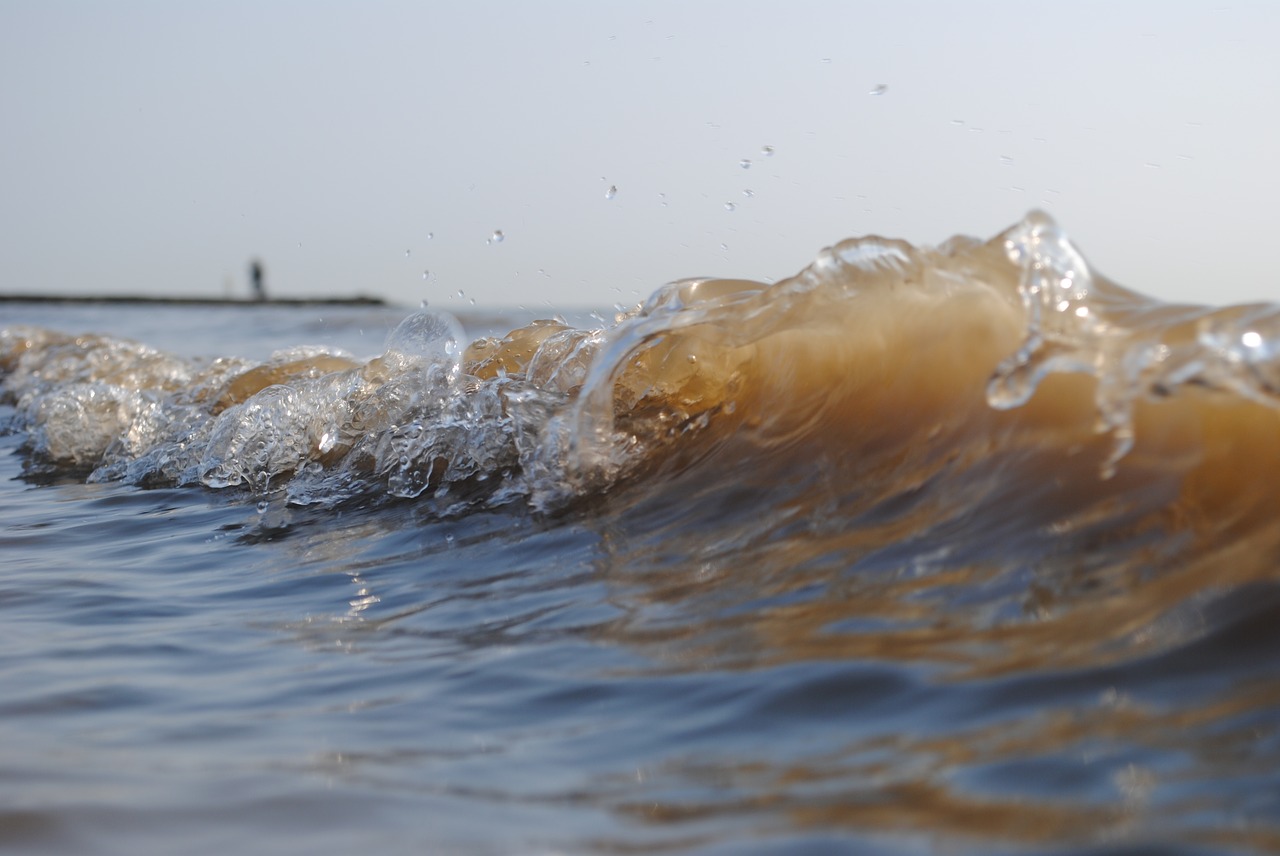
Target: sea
(960, 549)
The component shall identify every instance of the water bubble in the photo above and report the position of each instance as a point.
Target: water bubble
(731, 206)
(263, 505)
(879, 89)
(745, 163)
(435, 336)
(611, 192)
(767, 151)
(497, 237)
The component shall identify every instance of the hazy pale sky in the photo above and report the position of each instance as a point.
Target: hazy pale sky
(374, 147)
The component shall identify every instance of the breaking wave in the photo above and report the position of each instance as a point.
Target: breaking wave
(876, 351)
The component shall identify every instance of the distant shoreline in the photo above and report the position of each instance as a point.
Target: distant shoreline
(359, 300)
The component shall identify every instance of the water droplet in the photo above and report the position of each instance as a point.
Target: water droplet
(767, 151)
(748, 193)
(745, 163)
(430, 235)
(1006, 160)
(426, 274)
(731, 206)
(497, 237)
(460, 294)
(406, 254)
(724, 246)
(879, 89)
(611, 192)
(826, 60)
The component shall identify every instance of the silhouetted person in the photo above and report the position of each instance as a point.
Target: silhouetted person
(256, 277)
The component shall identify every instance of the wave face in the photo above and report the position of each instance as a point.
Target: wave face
(981, 460)
(876, 354)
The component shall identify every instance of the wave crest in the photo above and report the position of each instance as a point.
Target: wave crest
(876, 351)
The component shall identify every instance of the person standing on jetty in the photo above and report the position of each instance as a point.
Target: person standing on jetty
(256, 277)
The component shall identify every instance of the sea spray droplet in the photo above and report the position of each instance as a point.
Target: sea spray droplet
(497, 237)
(767, 151)
(745, 163)
(731, 206)
(426, 274)
(611, 192)
(748, 193)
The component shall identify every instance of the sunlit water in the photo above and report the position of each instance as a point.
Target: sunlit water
(906, 555)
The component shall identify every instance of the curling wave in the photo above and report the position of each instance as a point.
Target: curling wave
(877, 349)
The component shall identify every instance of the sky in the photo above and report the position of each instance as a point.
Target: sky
(377, 147)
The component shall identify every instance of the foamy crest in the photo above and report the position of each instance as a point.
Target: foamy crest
(1135, 347)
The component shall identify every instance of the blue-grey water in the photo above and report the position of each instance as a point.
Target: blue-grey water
(883, 631)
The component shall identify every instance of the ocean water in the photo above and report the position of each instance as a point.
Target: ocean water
(961, 549)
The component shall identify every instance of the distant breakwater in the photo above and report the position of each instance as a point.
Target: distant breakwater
(358, 300)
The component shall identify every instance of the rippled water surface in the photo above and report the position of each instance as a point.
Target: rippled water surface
(697, 582)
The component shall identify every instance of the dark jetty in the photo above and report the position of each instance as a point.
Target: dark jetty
(359, 300)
